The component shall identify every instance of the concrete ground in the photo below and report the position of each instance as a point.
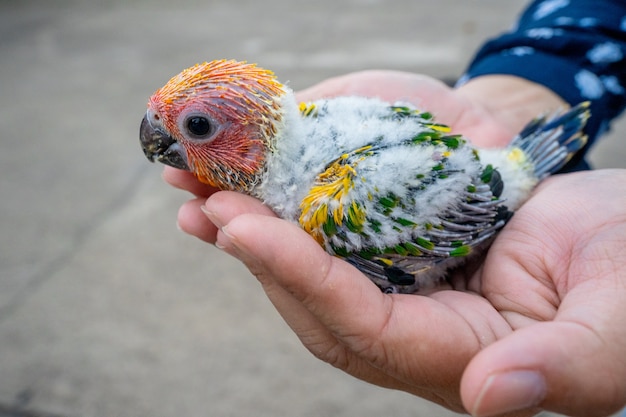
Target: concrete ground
(105, 308)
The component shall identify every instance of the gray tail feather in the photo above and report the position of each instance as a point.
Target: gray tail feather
(550, 142)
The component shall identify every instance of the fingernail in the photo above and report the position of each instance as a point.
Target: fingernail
(224, 230)
(225, 241)
(510, 391)
(234, 247)
(212, 216)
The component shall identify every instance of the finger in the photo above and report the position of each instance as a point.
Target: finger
(413, 343)
(562, 366)
(287, 254)
(290, 272)
(282, 252)
(185, 180)
(192, 220)
(573, 365)
(564, 293)
(319, 340)
(197, 217)
(222, 208)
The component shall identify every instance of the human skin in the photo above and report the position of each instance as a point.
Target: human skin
(537, 325)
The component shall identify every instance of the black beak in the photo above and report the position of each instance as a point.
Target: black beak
(159, 146)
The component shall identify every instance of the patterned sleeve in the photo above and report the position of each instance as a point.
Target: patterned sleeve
(576, 48)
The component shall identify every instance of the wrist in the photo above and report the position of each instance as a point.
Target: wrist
(512, 100)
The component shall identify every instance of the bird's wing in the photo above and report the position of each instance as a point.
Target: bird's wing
(423, 261)
(409, 227)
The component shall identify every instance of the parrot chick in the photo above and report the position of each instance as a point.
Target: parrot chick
(380, 185)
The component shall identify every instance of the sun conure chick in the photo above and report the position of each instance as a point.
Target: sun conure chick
(381, 185)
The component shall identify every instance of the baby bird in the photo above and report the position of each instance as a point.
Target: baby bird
(381, 185)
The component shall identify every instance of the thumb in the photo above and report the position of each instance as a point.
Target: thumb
(566, 367)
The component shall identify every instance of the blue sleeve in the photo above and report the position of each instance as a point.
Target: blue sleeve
(576, 48)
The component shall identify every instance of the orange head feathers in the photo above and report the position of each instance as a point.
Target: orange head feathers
(217, 120)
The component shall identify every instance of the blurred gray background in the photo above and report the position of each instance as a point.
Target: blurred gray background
(106, 309)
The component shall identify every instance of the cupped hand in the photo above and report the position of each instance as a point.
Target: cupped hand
(538, 326)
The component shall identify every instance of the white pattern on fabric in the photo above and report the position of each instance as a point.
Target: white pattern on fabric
(605, 52)
(588, 22)
(548, 7)
(574, 47)
(564, 21)
(590, 86)
(611, 83)
(543, 33)
(519, 51)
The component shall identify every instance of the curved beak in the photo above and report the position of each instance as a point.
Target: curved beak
(159, 146)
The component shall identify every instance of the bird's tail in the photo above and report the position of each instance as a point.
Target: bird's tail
(549, 142)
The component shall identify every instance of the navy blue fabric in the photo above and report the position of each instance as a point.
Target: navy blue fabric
(577, 48)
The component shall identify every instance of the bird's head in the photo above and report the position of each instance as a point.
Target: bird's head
(218, 120)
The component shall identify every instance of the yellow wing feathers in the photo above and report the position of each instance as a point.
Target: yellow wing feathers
(327, 207)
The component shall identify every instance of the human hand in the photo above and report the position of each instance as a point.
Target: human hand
(539, 326)
(438, 347)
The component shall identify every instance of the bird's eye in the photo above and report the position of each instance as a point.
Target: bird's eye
(198, 126)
